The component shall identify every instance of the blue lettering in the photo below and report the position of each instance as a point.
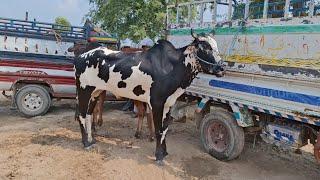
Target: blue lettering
(282, 134)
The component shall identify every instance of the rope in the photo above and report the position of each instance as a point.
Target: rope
(202, 60)
(56, 35)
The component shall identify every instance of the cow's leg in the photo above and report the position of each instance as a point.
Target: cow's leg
(85, 108)
(161, 128)
(76, 114)
(141, 111)
(95, 116)
(102, 97)
(90, 124)
(150, 123)
(165, 127)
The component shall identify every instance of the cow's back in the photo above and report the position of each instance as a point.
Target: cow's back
(116, 72)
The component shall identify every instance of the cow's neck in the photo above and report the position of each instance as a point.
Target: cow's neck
(190, 60)
(190, 64)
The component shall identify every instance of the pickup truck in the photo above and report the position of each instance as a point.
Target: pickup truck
(35, 64)
(272, 82)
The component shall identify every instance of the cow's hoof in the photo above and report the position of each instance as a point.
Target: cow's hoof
(160, 162)
(92, 146)
(99, 123)
(89, 145)
(165, 154)
(137, 135)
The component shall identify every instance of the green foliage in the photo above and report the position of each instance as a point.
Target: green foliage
(62, 24)
(134, 19)
(238, 12)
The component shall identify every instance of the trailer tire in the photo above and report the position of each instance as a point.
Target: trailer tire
(33, 100)
(221, 136)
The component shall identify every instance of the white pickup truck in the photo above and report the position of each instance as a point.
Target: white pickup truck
(272, 83)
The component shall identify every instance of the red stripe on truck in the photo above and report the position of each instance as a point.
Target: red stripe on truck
(34, 64)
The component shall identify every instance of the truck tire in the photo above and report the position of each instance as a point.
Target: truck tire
(33, 100)
(221, 136)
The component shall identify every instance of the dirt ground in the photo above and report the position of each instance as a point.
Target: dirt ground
(49, 147)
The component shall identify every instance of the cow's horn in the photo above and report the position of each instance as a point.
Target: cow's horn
(193, 34)
(213, 32)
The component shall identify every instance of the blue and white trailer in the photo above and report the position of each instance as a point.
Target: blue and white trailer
(272, 82)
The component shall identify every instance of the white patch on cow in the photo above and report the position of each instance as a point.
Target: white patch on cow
(170, 101)
(82, 121)
(90, 78)
(88, 127)
(90, 53)
(109, 51)
(163, 136)
(103, 62)
(214, 46)
(166, 109)
(104, 49)
(136, 78)
(191, 59)
(87, 123)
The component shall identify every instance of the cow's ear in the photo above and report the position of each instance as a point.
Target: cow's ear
(71, 49)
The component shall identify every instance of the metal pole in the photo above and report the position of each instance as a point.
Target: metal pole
(201, 14)
(230, 10)
(189, 13)
(246, 10)
(265, 9)
(286, 9)
(27, 16)
(311, 8)
(177, 15)
(214, 13)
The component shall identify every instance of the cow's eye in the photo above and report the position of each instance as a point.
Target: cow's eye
(204, 46)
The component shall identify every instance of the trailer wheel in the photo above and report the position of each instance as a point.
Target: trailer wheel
(221, 136)
(33, 100)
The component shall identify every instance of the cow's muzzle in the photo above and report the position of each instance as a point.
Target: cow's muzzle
(219, 69)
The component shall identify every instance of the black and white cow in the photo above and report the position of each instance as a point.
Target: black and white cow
(158, 77)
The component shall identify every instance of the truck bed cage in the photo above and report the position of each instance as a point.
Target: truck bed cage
(41, 30)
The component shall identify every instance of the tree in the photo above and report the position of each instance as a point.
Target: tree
(134, 19)
(62, 24)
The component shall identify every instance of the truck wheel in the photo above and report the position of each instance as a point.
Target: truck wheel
(33, 100)
(221, 136)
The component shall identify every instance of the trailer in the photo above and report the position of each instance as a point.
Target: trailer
(35, 63)
(272, 83)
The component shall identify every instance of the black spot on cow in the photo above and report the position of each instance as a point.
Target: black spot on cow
(138, 90)
(122, 84)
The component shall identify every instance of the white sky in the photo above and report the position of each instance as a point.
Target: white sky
(45, 10)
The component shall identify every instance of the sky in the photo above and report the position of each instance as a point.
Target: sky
(45, 10)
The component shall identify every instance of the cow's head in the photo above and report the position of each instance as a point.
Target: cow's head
(78, 48)
(82, 47)
(207, 53)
